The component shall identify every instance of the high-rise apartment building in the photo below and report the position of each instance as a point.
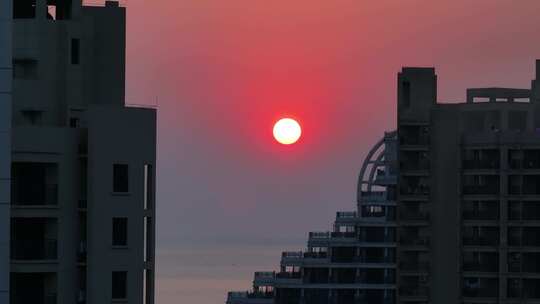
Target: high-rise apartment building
(354, 263)
(80, 219)
(463, 214)
(475, 167)
(5, 141)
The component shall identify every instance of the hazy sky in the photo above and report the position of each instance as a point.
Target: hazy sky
(221, 72)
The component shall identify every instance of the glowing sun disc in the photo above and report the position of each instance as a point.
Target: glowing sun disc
(287, 131)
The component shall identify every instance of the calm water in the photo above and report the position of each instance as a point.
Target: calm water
(202, 274)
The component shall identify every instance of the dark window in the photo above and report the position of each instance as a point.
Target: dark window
(406, 93)
(24, 9)
(119, 233)
(120, 178)
(119, 284)
(24, 69)
(75, 51)
(148, 192)
(73, 122)
(517, 120)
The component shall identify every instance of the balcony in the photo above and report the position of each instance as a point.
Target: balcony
(414, 241)
(524, 289)
(481, 215)
(523, 211)
(249, 297)
(34, 288)
(33, 238)
(480, 288)
(292, 254)
(524, 184)
(288, 275)
(414, 161)
(315, 255)
(342, 235)
(414, 216)
(261, 278)
(524, 236)
(377, 235)
(480, 241)
(527, 262)
(481, 189)
(524, 159)
(481, 164)
(413, 135)
(34, 249)
(34, 184)
(481, 266)
(34, 194)
(414, 266)
(414, 189)
(413, 291)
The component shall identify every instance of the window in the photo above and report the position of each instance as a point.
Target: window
(24, 68)
(406, 93)
(148, 294)
(147, 239)
(119, 284)
(148, 193)
(120, 178)
(24, 9)
(75, 51)
(517, 120)
(119, 233)
(73, 122)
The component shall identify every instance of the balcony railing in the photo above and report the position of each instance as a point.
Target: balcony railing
(34, 194)
(343, 235)
(292, 254)
(34, 249)
(481, 164)
(481, 214)
(481, 190)
(288, 275)
(480, 267)
(319, 235)
(480, 241)
(346, 214)
(414, 140)
(414, 190)
(414, 266)
(414, 241)
(414, 216)
(414, 291)
(315, 255)
(377, 238)
(264, 274)
(524, 164)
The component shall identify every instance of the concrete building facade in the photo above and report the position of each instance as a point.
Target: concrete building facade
(475, 168)
(463, 200)
(5, 144)
(82, 210)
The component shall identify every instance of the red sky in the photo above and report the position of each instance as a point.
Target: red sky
(222, 71)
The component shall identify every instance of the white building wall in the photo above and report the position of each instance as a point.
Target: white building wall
(5, 144)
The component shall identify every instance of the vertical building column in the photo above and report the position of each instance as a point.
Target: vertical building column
(503, 222)
(5, 144)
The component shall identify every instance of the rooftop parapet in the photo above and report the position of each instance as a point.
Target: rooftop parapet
(475, 95)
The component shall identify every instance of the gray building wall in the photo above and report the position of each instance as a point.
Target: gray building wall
(70, 113)
(5, 144)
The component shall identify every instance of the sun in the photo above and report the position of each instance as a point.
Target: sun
(287, 131)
